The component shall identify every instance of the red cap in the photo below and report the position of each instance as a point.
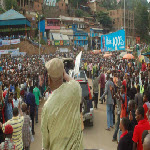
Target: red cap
(8, 129)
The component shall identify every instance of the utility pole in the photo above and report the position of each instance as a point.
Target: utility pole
(125, 20)
(39, 35)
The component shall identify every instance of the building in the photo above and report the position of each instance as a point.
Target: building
(95, 35)
(30, 5)
(95, 6)
(52, 25)
(69, 21)
(14, 23)
(80, 37)
(2, 4)
(118, 23)
(63, 5)
(50, 2)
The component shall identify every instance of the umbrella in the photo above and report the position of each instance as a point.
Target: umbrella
(142, 57)
(107, 55)
(128, 56)
(122, 54)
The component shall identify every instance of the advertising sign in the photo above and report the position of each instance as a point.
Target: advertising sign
(8, 42)
(66, 42)
(1, 42)
(114, 41)
(61, 42)
(8, 51)
(56, 43)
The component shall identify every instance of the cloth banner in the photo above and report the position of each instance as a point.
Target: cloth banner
(114, 41)
(9, 51)
(9, 42)
(77, 63)
(64, 50)
(1, 42)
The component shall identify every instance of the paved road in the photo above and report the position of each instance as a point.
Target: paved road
(95, 137)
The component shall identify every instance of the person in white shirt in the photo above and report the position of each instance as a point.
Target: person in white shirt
(15, 100)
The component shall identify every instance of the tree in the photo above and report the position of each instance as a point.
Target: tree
(11, 3)
(104, 19)
(81, 13)
(77, 3)
(1, 10)
(109, 4)
(142, 21)
(132, 4)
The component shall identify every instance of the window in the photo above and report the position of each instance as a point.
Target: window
(62, 5)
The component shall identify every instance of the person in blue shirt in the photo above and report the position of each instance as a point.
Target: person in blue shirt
(12, 87)
(8, 105)
(30, 100)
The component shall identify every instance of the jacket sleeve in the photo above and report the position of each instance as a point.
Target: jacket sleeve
(6, 98)
(44, 129)
(106, 90)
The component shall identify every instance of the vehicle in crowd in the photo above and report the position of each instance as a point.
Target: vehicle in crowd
(81, 77)
(86, 104)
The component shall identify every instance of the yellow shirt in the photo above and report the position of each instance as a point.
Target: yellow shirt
(17, 124)
(61, 121)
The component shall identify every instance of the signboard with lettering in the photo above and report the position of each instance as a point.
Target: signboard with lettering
(56, 43)
(114, 41)
(61, 43)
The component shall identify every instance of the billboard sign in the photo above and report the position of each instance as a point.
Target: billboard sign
(114, 41)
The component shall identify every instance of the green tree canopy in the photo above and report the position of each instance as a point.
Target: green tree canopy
(11, 3)
(142, 21)
(104, 19)
(76, 3)
(109, 4)
(81, 13)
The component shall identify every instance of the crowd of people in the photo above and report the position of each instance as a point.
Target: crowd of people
(24, 80)
(127, 86)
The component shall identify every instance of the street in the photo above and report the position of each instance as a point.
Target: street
(95, 137)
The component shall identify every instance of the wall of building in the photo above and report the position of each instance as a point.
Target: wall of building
(37, 6)
(62, 5)
(53, 12)
(118, 21)
(50, 2)
(2, 4)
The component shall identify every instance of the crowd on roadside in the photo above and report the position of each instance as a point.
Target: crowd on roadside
(24, 79)
(127, 86)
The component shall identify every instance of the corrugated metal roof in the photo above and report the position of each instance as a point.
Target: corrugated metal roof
(72, 19)
(58, 36)
(11, 15)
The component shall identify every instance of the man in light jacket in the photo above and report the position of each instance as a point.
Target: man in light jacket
(109, 102)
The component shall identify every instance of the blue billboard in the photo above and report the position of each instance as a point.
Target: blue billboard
(114, 41)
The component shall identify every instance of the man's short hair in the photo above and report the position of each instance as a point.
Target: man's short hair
(125, 123)
(15, 112)
(140, 110)
(24, 107)
(132, 103)
(138, 88)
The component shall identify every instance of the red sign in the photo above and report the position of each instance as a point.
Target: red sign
(137, 40)
(61, 42)
(48, 42)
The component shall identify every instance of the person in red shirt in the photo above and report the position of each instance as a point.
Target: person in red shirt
(143, 66)
(146, 105)
(124, 82)
(125, 142)
(138, 130)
